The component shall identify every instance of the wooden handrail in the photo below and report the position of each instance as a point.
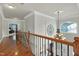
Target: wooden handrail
(53, 39)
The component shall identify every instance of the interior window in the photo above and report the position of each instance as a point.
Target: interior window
(69, 27)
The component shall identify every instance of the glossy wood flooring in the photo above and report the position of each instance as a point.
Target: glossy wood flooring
(8, 47)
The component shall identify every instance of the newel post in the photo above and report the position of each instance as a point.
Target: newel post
(28, 36)
(76, 46)
(28, 40)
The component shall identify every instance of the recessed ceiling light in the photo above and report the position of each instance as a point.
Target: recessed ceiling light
(12, 7)
(9, 6)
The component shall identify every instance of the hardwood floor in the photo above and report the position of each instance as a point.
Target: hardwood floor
(8, 47)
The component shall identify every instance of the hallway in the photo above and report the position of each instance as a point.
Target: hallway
(8, 47)
(44, 29)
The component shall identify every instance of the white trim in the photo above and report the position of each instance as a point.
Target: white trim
(39, 13)
(31, 13)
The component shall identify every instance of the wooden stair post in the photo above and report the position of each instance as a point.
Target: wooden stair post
(76, 46)
(28, 37)
(28, 41)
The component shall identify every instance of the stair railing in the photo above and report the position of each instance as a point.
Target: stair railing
(47, 46)
(41, 45)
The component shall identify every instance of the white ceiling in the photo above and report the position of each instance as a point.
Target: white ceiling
(22, 9)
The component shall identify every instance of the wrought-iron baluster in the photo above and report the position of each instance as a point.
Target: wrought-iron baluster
(48, 47)
(61, 49)
(67, 50)
(56, 48)
(40, 45)
(51, 48)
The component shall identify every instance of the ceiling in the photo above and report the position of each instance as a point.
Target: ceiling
(22, 9)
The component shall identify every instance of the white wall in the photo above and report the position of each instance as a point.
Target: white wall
(1, 18)
(29, 23)
(37, 23)
(41, 23)
(0, 27)
(29, 26)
